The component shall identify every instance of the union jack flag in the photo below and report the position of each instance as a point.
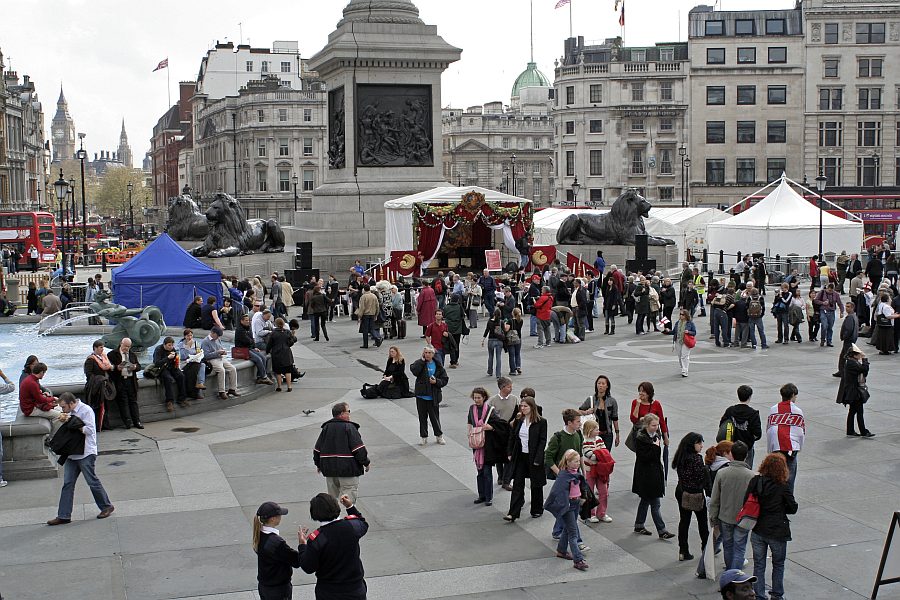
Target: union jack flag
(562, 3)
(163, 64)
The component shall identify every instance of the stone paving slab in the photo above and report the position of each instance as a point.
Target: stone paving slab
(94, 578)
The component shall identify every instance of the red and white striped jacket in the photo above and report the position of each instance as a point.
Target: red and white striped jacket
(785, 428)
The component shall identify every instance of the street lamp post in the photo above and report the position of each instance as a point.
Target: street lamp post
(876, 160)
(821, 180)
(61, 187)
(682, 152)
(575, 187)
(82, 155)
(295, 180)
(39, 196)
(130, 187)
(687, 187)
(70, 219)
(513, 160)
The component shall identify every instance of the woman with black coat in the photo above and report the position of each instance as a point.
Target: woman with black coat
(318, 309)
(278, 345)
(394, 383)
(32, 298)
(649, 481)
(856, 369)
(612, 300)
(525, 451)
(772, 529)
(693, 481)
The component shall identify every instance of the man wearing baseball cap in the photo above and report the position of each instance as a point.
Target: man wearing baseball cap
(734, 584)
(214, 353)
(276, 560)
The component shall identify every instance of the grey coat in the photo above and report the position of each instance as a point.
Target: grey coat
(728, 491)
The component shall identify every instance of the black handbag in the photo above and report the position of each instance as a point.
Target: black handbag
(863, 389)
(590, 501)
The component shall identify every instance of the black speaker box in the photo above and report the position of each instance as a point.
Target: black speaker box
(640, 246)
(304, 255)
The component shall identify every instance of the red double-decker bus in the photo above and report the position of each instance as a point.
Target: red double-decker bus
(26, 229)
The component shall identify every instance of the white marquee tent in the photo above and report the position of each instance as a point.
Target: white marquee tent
(783, 223)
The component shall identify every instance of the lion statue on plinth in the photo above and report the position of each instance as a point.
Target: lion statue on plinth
(230, 234)
(186, 222)
(616, 228)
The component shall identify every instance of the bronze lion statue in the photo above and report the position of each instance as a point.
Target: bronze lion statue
(230, 234)
(186, 222)
(617, 227)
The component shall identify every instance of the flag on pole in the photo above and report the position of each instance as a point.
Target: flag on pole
(616, 7)
(163, 64)
(622, 15)
(562, 3)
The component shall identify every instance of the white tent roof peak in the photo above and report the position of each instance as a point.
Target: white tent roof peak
(783, 207)
(451, 193)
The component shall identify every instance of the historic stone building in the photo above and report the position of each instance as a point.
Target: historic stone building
(24, 163)
(620, 117)
(62, 131)
(746, 101)
(505, 148)
(171, 134)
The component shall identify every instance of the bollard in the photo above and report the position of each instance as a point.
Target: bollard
(705, 261)
(739, 257)
(789, 269)
(777, 262)
(103, 261)
(721, 262)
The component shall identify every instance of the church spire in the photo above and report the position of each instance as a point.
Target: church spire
(62, 96)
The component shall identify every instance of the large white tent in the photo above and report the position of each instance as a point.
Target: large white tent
(783, 223)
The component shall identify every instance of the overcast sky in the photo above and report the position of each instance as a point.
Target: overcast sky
(103, 51)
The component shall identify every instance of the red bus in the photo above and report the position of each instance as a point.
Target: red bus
(26, 229)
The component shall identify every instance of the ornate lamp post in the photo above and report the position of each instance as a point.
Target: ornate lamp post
(682, 152)
(821, 180)
(70, 218)
(295, 180)
(82, 155)
(687, 188)
(61, 187)
(876, 161)
(575, 187)
(513, 160)
(130, 187)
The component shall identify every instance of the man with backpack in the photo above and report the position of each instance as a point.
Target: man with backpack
(756, 310)
(568, 438)
(726, 500)
(741, 422)
(440, 289)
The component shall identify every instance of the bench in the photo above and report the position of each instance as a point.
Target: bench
(24, 454)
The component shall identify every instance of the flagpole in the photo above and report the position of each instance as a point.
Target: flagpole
(168, 85)
(570, 19)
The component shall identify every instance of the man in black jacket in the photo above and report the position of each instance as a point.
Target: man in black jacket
(192, 314)
(124, 376)
(744, 420)
(849, 334)
(340, 454)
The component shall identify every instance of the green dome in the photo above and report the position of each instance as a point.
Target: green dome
(530, 77)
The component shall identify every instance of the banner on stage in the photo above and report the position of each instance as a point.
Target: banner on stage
(578, 267)
(541, 256)
(405, 262)
(492, 260)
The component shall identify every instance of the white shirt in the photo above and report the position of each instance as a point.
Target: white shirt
(267, 529)
(523, 435)
(260, 327)
(86, 414)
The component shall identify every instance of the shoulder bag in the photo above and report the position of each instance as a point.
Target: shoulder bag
(863, 389)
(476, 436)
(749, 513)
(693, 501)
(590, 417)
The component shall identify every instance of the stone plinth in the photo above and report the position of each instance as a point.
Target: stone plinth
(666, 257)
(24, 455)
(249, 265)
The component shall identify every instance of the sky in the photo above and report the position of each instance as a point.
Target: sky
(103, 51)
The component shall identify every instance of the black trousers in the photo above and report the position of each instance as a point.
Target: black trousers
(504, 472)
(428, 409)
(276, 592)
(173, 382)
(521, 472)
(126, 398)
(454, 349)
(856, 410)
(684, 523)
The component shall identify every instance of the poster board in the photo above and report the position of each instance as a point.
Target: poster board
(492, 260)
(889, 568)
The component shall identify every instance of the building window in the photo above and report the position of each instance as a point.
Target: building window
(832, 33)
(307, 115)
(282, 115)
(265, 66)
(715, 56)
(777, 54)
(774, 168)
(870, 67)
(870, 33)
(535, 169)
(831, 167)
(746, 132)
(284, 180)
(831, 134)
(249, 66)
(637, 162)
(744, 27)
(570, 163)
(715, 171)
(504, 143)
(284, 147)
(637, 91)
(307, 146)
(285, 67)
(595, 126)
(520, 143)
(309, 180)
(746, 94)
(637, 125)
(666, 54)
(261, 148)
(666, 193)
(666, 124)
(570, 127)
(777, 132)
(261, 116)
(831, 98)
(746, 170)
(536, 189)
(866, 172)
(665, 91)
(775, 27)
(570, 94)
(830, 66)
(746, 56)
(897, 143)
(536, 143)
(596, 196)
(638, 56)
(665, 162)
(715, 94)
(596, 93)
(472, 168)
(262, 184)
(715, 28)
(868, 133)
(869, 98)
(596, 163)
(715, 132)
(777, 94)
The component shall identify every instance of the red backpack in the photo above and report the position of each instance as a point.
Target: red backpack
(605, 463)
(439, 286)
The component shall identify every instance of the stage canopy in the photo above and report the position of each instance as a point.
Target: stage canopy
(165, 275)
(423, 221)
(784, 223)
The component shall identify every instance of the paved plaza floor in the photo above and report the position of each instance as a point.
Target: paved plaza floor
(185, 490)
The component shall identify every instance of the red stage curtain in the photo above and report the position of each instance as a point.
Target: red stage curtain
(429, 240)
(481, 235)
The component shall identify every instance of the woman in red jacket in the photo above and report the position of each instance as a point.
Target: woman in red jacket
(645, 404)
(542, 308)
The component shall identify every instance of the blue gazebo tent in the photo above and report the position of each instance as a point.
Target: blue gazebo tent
(165, 275)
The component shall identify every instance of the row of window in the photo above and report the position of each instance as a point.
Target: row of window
(595, 92)
(776, 132)
(264, 66)
(522, 143)
(866, 67)
(307, 182)
(638, 125)
(745, 27)
(665, 162)
(746, 94)
(776, 55)
(745, 170)
(282, 115)
(537, 168)
(868, 134)
(284, 147)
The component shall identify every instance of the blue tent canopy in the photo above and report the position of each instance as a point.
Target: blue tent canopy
(165, 275)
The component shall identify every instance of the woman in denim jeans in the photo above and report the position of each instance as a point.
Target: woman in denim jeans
(515, 348)
(495, 333)
(773, 529)
(649, 481)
